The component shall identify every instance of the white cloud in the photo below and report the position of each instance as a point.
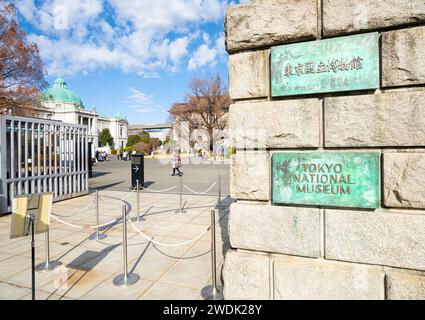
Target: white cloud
(68, 57)
(202, 56)
(208, 52)
(162, 15)
(206, 37)
(139, 109)
(220, 44)
(141, 36)
(27, 8)
(141, 102)
(178, 49)
(55, 16)
(138, 96)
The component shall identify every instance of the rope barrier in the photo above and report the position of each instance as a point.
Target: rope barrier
(90, 227)
(91, 203)
(88, 206)
(120, 242)
(134, 189)
(83, 209)
(82, 227)
(152, 190)
(167, 244)
(150, 239)
(168, 189)
(212, 186)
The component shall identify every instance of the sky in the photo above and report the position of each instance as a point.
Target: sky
(135, 57)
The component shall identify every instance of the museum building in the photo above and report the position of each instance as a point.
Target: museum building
(60, 103)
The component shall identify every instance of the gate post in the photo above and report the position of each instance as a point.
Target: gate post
(3, 165)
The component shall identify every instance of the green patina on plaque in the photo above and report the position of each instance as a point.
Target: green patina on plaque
(343, 179)
(338, 64)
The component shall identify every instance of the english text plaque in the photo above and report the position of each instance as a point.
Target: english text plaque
(337, 179)
(329, 65)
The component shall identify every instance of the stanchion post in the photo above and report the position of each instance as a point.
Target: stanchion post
(97, 235)
(138, 200)
(180, 210)
(213, 292)
(181, 194)
(97, 214)
(48, 265)
(125, 279)
(220, 207)
(32, 257)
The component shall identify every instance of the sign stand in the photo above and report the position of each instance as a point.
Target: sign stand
(137, 171)
(30, 223)
(31, 212)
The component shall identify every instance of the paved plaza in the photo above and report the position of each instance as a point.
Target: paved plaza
(198, 176)
(172, 266)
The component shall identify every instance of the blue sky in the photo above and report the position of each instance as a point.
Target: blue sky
(132, 56)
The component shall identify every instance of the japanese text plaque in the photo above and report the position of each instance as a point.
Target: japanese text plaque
(338, 64)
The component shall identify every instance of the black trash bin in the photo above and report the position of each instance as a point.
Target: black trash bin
(137, 170)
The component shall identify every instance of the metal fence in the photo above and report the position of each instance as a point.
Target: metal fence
(39, 155)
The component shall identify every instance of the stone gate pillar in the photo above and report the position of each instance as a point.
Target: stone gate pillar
(364, 242)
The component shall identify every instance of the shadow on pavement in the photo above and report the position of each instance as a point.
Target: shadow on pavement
(90, 259)
(107, 186)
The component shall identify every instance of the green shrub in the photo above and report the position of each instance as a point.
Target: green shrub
(113, 151)
(145, 140)
(144, 135)
(133, 139)
(105, 137)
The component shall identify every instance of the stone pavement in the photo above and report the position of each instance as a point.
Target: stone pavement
(166, 272)
(116, 175)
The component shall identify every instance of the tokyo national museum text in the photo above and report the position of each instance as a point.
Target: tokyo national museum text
(339, 179)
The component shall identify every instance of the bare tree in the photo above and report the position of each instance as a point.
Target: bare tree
(206, 105)
(21, 69)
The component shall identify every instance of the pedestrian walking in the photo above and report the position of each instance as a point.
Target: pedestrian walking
(222, 152)
(177, 163)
